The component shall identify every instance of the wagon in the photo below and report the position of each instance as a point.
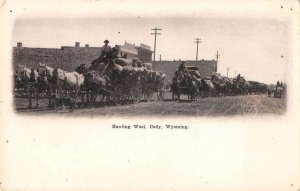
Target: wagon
(182, 83)
(186, 87)
(21, 88)
(126, 86)
(137, 84)
(152, 83)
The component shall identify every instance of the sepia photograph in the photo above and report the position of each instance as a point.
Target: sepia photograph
(195, 66)
(150, 95)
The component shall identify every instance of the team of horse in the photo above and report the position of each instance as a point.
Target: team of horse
(190, 83)
(120, 80)
(111, 80)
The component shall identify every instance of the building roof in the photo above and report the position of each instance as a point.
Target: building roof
(129, 48)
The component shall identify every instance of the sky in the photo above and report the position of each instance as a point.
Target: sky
(256, 48)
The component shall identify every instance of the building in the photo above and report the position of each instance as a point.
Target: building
(144, 53)
(69, 57)
(130, 51)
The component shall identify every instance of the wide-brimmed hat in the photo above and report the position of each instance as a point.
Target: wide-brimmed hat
(106, 41)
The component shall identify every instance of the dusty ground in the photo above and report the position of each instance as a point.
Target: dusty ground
(217, 106)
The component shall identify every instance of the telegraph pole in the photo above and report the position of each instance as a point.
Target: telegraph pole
(227, 71)
(155, 33)
(197, 40)
(217, 56)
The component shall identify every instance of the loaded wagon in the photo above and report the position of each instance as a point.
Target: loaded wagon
(136, 84)
(183, 83)
(152, 83)
(126, 85)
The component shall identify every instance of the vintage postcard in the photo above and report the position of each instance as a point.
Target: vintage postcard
(150, 95)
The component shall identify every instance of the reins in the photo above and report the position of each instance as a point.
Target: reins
(104, 69)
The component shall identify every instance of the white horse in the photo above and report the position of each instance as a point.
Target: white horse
(24, 74)
(61, 80)
(29, 77)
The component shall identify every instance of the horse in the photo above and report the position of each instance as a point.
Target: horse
(241, 86)
(219, 84)
(228, 86)
(61, 80)
(34, 85)
(193, 88)
(278, 92)
(97, 67)
(95, 84)
(82, 69)
(207, 87)
(189, 86)
(97, 81)
(236, 90)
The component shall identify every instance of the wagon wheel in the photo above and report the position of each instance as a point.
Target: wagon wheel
(161, 92)
(118, 93)
(148, 92)
(137, 94)
(43, 94)
(126, 93)
(22, 90)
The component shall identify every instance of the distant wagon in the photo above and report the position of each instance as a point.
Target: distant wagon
(183, 83)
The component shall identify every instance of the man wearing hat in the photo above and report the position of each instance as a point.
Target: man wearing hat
(105, 51)
(105, 54)
(180, 71)
(182, 66)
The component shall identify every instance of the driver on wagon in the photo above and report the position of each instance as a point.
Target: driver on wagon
(182, 66)
(105, 51)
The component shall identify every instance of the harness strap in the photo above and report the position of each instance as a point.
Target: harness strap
(105, 69)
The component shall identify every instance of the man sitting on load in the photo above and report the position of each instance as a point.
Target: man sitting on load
(181, 71)
(105, 51)
(238, 77)
(182, 66)
(277, 84)
(104, 54)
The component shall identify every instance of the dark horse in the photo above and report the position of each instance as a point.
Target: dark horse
(183, 83)
(96, 82)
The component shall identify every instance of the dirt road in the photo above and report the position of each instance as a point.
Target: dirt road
(217, 106)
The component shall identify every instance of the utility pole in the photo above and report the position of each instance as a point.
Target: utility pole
(227, 71)
(217, 58)
(197, 40)
(155, 33)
